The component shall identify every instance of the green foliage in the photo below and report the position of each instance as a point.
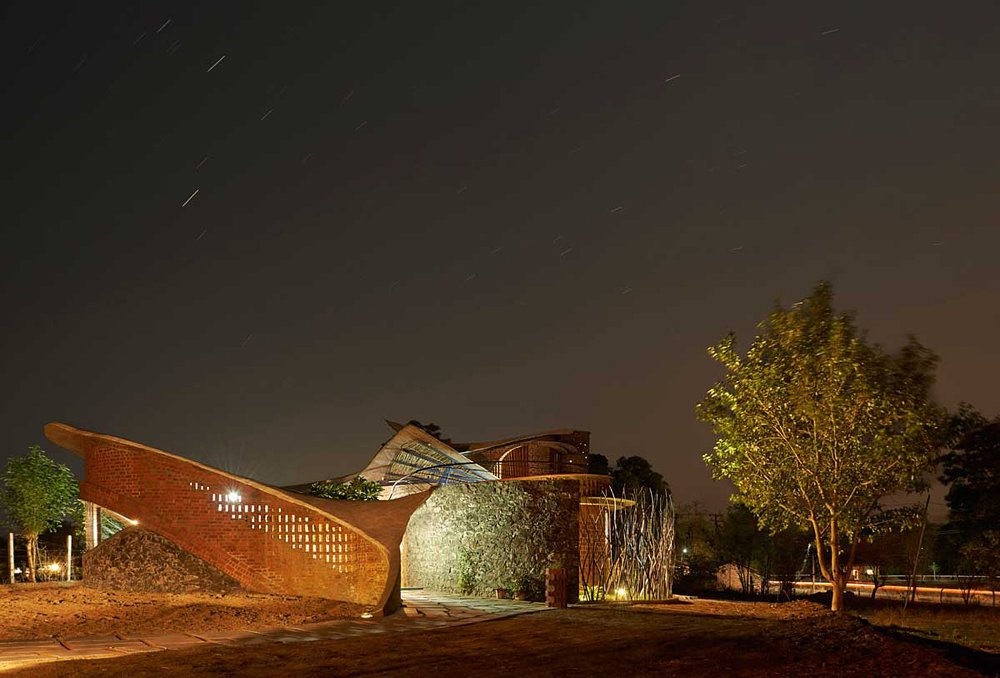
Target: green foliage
(467, 570)
(110, 526)
(477, 537)
(359, 489)
(37, 492)
(815, 426)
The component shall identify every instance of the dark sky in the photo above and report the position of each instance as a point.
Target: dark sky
(500, 217)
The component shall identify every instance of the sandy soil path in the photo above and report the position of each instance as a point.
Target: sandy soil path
(695, 640)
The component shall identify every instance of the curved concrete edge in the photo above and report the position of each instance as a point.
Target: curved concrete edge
(385, 521)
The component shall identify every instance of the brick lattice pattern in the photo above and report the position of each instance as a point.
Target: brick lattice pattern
(267, 540)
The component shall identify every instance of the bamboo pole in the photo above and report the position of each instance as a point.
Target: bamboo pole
(69, 557)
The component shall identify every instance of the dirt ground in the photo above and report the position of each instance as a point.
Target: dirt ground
(67, 610)
(696, 639)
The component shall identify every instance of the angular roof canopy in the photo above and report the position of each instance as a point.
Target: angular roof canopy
(414, 460)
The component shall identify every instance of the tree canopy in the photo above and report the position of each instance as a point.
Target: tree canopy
(971, 468)
(37, 494)
(635, 473)
(628, 474)
(815, 426)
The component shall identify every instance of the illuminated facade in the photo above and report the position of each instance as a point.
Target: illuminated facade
(283, 540)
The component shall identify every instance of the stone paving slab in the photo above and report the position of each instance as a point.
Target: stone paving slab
(171, 641)
(27, 645)
(422, 611)
(86, 643)
(227, 636)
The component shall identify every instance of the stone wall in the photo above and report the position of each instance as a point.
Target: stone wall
(475, 538)
(139, 560)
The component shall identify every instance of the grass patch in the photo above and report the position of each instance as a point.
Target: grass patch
(972, 626)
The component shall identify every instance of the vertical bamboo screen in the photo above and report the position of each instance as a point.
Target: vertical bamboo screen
(627, 547)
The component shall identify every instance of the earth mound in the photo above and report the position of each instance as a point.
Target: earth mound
(138, 560)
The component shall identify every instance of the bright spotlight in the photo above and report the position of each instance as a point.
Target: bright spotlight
(621, 593)
(54, 567)
(233, 497)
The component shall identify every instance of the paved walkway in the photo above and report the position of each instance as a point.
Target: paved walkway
(421, 611)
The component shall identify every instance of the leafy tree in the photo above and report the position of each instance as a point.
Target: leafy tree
(816, 426)
(358, 489)
(756, 552)
(37, 495)
(629, 474)
(741, 542)
(971, 467)
(783, 558)
(635, 473)
(983, 556)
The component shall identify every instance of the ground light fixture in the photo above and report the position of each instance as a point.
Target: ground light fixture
(53, 567)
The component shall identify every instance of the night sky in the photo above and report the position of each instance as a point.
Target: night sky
(248, 232)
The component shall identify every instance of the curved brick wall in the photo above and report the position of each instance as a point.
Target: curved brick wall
(269, 540)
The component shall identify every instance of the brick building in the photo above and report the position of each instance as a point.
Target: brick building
(283, 540)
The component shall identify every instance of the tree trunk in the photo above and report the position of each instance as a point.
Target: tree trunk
(836, 578)
(837, 586)
(32, 540)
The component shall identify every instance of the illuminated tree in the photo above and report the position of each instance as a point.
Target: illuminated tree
(37, 494)
(816, 426)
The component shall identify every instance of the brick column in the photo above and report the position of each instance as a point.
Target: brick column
(555, 587)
